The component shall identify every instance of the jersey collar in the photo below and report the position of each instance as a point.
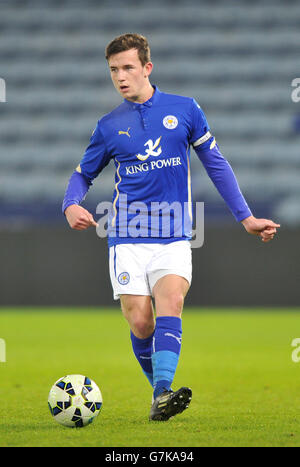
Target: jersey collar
(148, 103)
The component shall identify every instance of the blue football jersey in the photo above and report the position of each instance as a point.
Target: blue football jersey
(149, 144)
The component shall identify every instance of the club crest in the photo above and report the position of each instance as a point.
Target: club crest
(123, 278)
(170, 122)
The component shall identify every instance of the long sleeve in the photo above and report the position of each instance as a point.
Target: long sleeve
(223, 177)
(216, 166)
(76, 191)
(92, 163)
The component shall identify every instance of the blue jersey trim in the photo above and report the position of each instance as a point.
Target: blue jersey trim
(118, 240)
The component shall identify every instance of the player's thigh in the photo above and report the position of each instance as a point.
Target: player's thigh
(138, 311)
(169, 293)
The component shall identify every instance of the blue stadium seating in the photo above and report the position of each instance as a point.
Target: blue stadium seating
(237, 59)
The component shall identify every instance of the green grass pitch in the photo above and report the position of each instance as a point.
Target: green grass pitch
(246, 388)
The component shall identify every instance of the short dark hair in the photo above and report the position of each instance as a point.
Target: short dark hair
(129, 41)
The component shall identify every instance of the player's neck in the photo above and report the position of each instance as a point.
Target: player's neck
(145, 95)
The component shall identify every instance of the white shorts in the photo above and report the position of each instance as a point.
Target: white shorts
(136, 267)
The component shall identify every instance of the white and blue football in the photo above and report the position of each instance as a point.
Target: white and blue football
(75, 400)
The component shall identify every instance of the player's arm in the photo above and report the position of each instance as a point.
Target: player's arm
(93, 162)
(78, 217)
(223, 177)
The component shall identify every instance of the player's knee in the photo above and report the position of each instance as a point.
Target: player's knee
(141, 327)
(172, 304)
(140, 321)
(176, 302)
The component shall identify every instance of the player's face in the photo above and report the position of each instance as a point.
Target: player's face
(129, 76)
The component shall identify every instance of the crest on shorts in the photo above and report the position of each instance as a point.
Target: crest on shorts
(123, 278)
(170, 122)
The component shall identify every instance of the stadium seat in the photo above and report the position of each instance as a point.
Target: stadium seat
(235, 60)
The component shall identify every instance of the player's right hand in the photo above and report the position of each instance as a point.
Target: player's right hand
(264, 228)
(79, 218)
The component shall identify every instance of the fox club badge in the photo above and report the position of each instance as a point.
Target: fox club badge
(170, 122)
(123, 278)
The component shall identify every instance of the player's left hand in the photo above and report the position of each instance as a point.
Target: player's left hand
(264, 228)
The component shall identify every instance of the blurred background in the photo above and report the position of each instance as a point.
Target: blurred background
(236, 58)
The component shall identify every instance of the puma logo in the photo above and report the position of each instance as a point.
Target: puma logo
(125, 132)
(175, 337)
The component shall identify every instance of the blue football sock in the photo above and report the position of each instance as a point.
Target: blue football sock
(142, 349)
(166, 350)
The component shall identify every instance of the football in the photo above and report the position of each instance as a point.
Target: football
(75, 401)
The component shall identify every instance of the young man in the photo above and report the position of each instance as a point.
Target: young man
(148, 137)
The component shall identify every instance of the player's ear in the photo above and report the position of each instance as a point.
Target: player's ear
(148, 69)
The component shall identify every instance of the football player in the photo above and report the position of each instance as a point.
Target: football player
(148, 138)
